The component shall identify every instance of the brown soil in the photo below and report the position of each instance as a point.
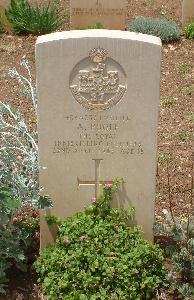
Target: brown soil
(176, 120)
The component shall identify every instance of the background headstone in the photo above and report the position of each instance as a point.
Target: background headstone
(110, 13)
(187, 11)
(98, 102)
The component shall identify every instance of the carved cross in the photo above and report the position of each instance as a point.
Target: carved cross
(96, 182)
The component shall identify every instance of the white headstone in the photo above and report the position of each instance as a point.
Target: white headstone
(98, 102)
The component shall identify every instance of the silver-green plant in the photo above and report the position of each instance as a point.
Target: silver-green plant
(167, 30)
(180, 230)
(181, 250)
(18, 148)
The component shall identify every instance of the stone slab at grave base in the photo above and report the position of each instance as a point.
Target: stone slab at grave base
(187, 11)
(110, 13)
(98, 103)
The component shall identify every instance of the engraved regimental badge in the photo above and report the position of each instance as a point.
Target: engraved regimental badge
(98, 82)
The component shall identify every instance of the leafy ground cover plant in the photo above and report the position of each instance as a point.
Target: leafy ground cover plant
(168, 101)
(189, 90)
(98, 256)
(19, 188)
(11, 251)
(184, 69)
(189, 31)
(191, 118)
(184, 136)
(180, 231)
(167, 30)
(28, 19)
(18, 226)
(26, 218)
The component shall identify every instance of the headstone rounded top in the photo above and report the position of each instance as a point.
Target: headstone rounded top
(104, 33)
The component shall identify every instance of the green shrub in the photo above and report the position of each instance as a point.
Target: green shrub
(27, 220)
(189, 31)
(19, 188)
(179, 231)
(167, 30)
(27, 19)
(11, 251)
(17, 227)
(98, 256)
(181, 251)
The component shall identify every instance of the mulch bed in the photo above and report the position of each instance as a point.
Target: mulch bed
(175, 127)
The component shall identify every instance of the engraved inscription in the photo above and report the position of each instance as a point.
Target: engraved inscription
(97, 147)
(98, 135)
(98, 11)
(99, 87)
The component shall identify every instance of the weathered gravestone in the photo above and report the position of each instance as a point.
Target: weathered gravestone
(98, 101)
(111, 14)
(187, 11)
